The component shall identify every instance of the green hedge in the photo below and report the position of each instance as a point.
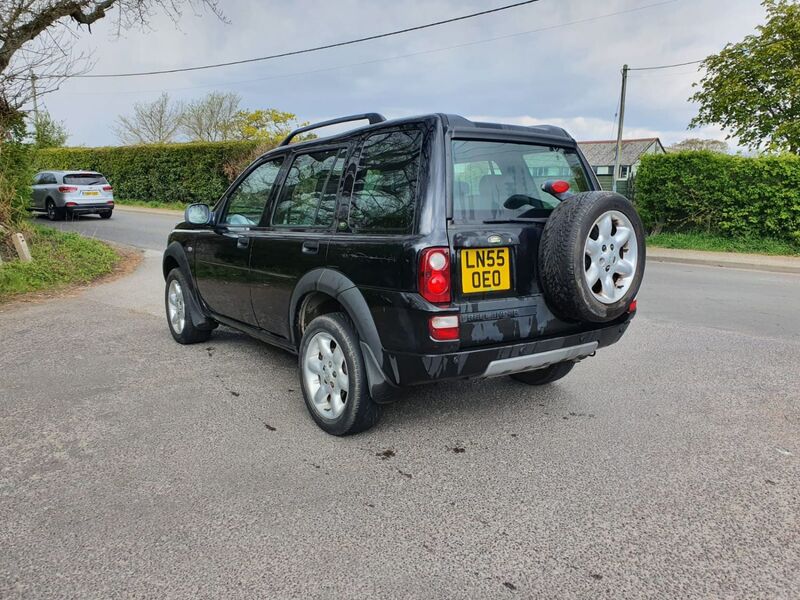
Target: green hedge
(194, 172)
(722, 194)
(16, 174)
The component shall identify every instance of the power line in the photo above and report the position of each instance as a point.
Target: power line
(695, 62)
(683, 64)
(396, 57)
(315, 49)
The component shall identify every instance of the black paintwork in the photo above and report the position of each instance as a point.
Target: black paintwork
(257, 278)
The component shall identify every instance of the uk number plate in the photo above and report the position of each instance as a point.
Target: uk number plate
(90, 193)
(485, 270)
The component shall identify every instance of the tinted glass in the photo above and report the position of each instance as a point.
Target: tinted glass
(308, 196)
(247, 201)
(385, 189)
(500, 180)
(85, 179)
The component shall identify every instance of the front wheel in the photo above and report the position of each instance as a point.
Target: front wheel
(546, 375)
(333, 376)
(178, 317)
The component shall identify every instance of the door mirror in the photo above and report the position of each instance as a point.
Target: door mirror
(197, 214)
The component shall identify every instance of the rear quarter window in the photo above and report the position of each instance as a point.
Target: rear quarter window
(385, 190)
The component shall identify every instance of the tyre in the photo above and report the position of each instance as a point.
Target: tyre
(106, 214)
(333, 376)
(54, 213)
(544, 376)
(178, 318)
(591, 257)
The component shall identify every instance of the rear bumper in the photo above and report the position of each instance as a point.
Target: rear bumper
(403, 369)
(89, 207)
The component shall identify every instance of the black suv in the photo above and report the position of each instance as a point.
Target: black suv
(411, 251)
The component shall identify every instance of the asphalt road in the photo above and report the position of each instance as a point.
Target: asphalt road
(666, 466)
(133, 228)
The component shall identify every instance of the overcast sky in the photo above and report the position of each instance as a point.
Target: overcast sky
(566, 73)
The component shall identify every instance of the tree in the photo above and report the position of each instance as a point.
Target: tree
(212, 118)
(47, 132)
(32, 34)
(154, 122)
(268, 126)
(699, 144)
(752, 89)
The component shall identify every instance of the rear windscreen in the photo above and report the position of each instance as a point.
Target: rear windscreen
(85, 179)
(503, 180)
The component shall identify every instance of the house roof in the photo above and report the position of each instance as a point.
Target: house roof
(602, 152)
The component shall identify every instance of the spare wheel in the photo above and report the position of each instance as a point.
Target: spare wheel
(591, 257)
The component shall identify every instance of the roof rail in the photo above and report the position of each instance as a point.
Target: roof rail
(371, 117)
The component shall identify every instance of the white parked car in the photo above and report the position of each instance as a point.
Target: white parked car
(62, 193)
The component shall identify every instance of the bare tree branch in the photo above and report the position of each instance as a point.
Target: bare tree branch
(32, 37)
(151, 123)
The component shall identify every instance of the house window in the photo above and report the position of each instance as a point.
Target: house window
(603, 170)
(623, 172)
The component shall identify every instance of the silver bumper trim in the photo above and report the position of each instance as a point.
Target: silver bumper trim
(529, 362)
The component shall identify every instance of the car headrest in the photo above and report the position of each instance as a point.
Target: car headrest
(497, 187)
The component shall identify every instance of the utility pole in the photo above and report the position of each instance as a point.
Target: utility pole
(618, 153)
(35, 106)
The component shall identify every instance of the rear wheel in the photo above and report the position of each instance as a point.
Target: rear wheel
(546, 375)
(333, 376)
(54, 213)
(106, 214)
(178, 317)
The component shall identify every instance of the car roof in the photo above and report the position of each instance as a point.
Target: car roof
(449, 122)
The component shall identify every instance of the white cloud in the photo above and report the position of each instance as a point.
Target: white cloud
(591, 128)
(569, 73)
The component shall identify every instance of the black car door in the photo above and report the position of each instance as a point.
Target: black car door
(222, 254)
(295, 236)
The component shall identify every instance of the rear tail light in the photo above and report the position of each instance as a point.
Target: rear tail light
(443, 328)
(632, 306)
(65, 189)
(434, 275)
(107, 188)
(110, 202)
(71, 204)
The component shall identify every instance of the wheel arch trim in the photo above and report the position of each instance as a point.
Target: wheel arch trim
(345, 292)
(176, 253)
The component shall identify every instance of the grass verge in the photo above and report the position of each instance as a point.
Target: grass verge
(59, 259)
(716, 243)
(152, 204)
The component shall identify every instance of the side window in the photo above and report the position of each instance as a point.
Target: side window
(385, 189)
(37, 179)
(308, 196)
(247, 202)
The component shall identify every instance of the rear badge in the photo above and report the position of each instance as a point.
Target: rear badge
(495, 239)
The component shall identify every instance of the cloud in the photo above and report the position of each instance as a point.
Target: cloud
(591, 128)
(570, 73)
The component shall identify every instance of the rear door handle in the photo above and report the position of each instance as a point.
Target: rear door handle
(242, 241)
(310, 247)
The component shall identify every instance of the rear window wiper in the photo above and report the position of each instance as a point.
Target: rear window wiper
(516, 220)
